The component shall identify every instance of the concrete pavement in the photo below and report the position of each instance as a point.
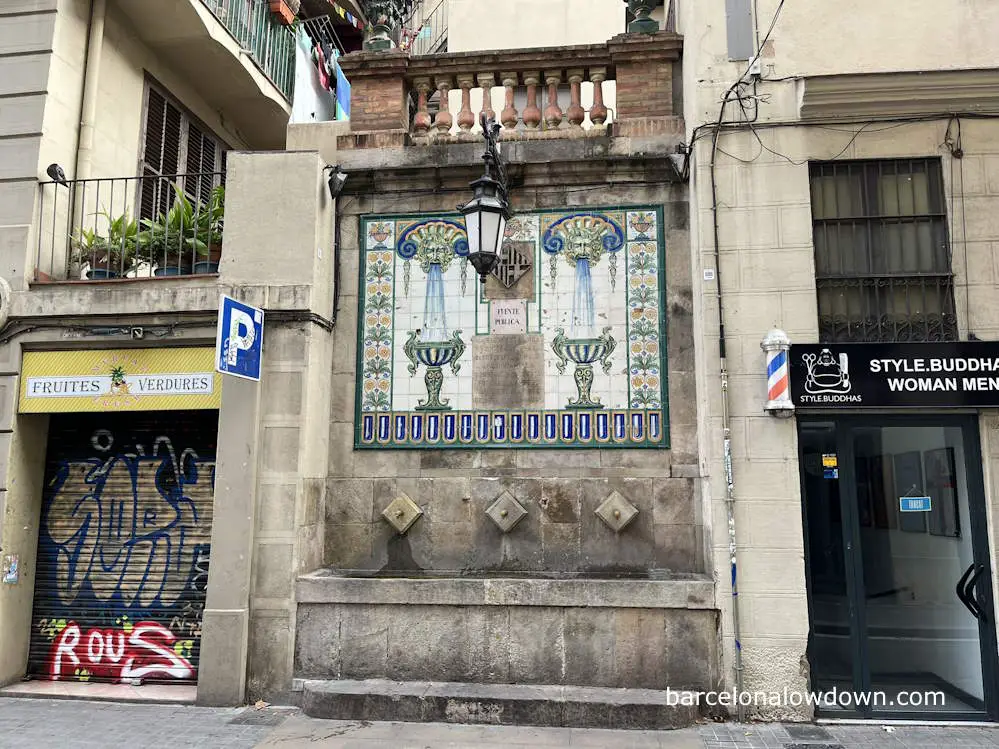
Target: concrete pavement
(79, 724)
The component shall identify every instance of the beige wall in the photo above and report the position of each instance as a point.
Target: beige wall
(124, 64)
(50, 114)
(852, 36)
(513, 24)
(767, 262)
(26, 32)
(767, 275)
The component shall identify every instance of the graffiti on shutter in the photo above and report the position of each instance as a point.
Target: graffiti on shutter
(124, 546)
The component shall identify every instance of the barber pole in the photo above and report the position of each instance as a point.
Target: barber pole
(776, 344)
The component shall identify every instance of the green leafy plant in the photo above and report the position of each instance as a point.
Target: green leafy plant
(210, 220)
(115, 250)
(176, 234)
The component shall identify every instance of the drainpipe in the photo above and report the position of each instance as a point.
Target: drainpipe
(88, 100)
(726, 420)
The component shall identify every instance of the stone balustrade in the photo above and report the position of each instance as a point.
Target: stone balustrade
(550, 92)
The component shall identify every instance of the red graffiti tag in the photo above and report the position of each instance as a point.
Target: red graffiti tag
(147, 650)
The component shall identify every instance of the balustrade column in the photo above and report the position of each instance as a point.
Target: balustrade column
(444, 119)
(532, 112)
(553, 113)
(509, 114)
(465, 117)
(421, 120)
(486, 82)
(598, 112)
(576, 114)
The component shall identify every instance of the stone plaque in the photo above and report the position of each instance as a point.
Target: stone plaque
(508, 316)
(508, 372)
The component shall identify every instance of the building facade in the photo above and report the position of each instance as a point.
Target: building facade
(435, 479)
(847, 198)
(117, 123)
(534, 489)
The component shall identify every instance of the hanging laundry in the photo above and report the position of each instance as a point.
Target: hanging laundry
(324, 76)
(342, 94)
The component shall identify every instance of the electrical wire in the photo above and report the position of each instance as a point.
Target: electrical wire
(766, 38)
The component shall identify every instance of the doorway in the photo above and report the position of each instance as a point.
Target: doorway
(897, 564)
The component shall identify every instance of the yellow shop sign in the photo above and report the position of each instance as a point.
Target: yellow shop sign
(161, 379)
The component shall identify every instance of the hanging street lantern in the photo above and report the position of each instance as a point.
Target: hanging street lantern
(487, 212)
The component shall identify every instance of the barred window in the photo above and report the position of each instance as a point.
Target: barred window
(882, 258)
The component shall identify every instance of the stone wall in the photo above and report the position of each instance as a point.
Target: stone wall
(559, 488)
(536, 630)
(612, 633)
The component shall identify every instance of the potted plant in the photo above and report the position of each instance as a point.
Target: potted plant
(210, 218)
(108, 256)
(286, 10)
(174, 238)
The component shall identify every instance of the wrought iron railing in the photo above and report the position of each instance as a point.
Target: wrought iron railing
(270, 43)
(130, 227)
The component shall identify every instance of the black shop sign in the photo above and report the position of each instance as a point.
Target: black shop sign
(881, 375)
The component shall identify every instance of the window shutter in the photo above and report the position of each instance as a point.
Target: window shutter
(160, 153)
(174, 144)
(202, 158)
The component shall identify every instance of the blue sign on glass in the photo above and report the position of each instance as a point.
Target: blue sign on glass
(239, 339)
(914, 504)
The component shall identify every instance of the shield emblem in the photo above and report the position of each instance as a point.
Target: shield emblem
(514, 261)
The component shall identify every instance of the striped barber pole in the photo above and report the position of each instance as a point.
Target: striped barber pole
(776, 344)
(777, 381)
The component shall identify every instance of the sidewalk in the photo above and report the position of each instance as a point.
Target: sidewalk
(78, 724)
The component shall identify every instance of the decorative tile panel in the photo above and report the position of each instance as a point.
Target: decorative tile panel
(594, 318)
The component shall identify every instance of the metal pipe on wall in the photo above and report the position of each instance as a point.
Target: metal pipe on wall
(88, 99)
(726, 416)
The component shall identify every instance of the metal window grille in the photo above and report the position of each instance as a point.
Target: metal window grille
(882, 255)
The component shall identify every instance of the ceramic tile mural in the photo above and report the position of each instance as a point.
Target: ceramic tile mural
(594, 307)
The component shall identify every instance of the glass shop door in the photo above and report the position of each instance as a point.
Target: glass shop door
(897, 561)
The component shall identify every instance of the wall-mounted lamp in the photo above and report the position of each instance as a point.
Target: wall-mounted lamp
(336, 181)
(488, 210)
(777, 346)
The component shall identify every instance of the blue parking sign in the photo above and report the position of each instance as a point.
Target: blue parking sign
(239, 339)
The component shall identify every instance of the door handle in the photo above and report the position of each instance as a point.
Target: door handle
(972, 591)
(963, 590)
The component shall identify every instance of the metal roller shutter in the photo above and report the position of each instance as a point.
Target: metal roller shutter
(123, 546)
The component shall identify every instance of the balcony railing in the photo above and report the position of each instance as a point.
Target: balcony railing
(270, 43)
(130, 227)
(537, 92)
(540, 93)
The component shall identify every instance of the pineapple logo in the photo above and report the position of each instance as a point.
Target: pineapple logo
(118, 384)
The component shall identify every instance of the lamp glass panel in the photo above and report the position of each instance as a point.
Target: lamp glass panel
(492, 231)
(472, 227)
(500, 232)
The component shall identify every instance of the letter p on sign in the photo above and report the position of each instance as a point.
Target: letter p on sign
(239, 339)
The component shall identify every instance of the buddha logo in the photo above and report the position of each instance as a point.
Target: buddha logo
(827, 375)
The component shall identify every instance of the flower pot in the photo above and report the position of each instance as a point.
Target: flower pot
(101, 274)
(641, 10)
(205, 266)
(283, 11)
(170, 270)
